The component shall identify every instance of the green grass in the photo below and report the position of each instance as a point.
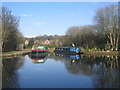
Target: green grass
(28, 47)
(11, 52)
(51, 46)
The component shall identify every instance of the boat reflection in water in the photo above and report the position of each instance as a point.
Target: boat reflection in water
(73, 57)
(38, 58)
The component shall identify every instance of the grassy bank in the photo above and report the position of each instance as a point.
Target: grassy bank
(24, 51)
(28, 50)
(14, 53)
(21, 52)
(51, 49)
(100, 53)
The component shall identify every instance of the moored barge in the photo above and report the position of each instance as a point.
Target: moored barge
(39, 49)
(67, 50)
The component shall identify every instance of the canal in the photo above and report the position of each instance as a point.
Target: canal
(61, 71)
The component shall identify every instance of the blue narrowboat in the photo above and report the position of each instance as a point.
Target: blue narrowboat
(67, 50)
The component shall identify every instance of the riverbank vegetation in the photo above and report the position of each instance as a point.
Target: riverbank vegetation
(102, 35)
(11, 35)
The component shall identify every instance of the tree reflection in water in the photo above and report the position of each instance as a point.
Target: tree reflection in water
(10, 77)
(103, 70)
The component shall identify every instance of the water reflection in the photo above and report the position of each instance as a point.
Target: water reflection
(38, 58)
(104, 71)
(75, 56)
(10, 76)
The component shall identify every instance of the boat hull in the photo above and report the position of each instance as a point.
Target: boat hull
(67, 50)
(39, 51)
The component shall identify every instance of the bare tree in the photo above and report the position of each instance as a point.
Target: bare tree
(107, 22)
(10, 30)
(81, 35)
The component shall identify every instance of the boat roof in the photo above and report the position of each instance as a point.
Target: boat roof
(66, 47)
(39, 45)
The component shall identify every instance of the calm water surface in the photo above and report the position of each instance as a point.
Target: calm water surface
(61, 71)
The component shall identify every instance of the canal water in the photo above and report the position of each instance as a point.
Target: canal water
(61, 71)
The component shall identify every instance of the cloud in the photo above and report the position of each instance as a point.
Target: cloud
(25, 15)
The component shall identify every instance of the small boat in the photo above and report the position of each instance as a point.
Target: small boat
(39, 49)
(67, 50)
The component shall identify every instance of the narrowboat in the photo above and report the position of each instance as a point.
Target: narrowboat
(39, 49)
(67, 50)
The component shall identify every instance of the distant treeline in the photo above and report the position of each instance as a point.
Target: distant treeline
(55, 40)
